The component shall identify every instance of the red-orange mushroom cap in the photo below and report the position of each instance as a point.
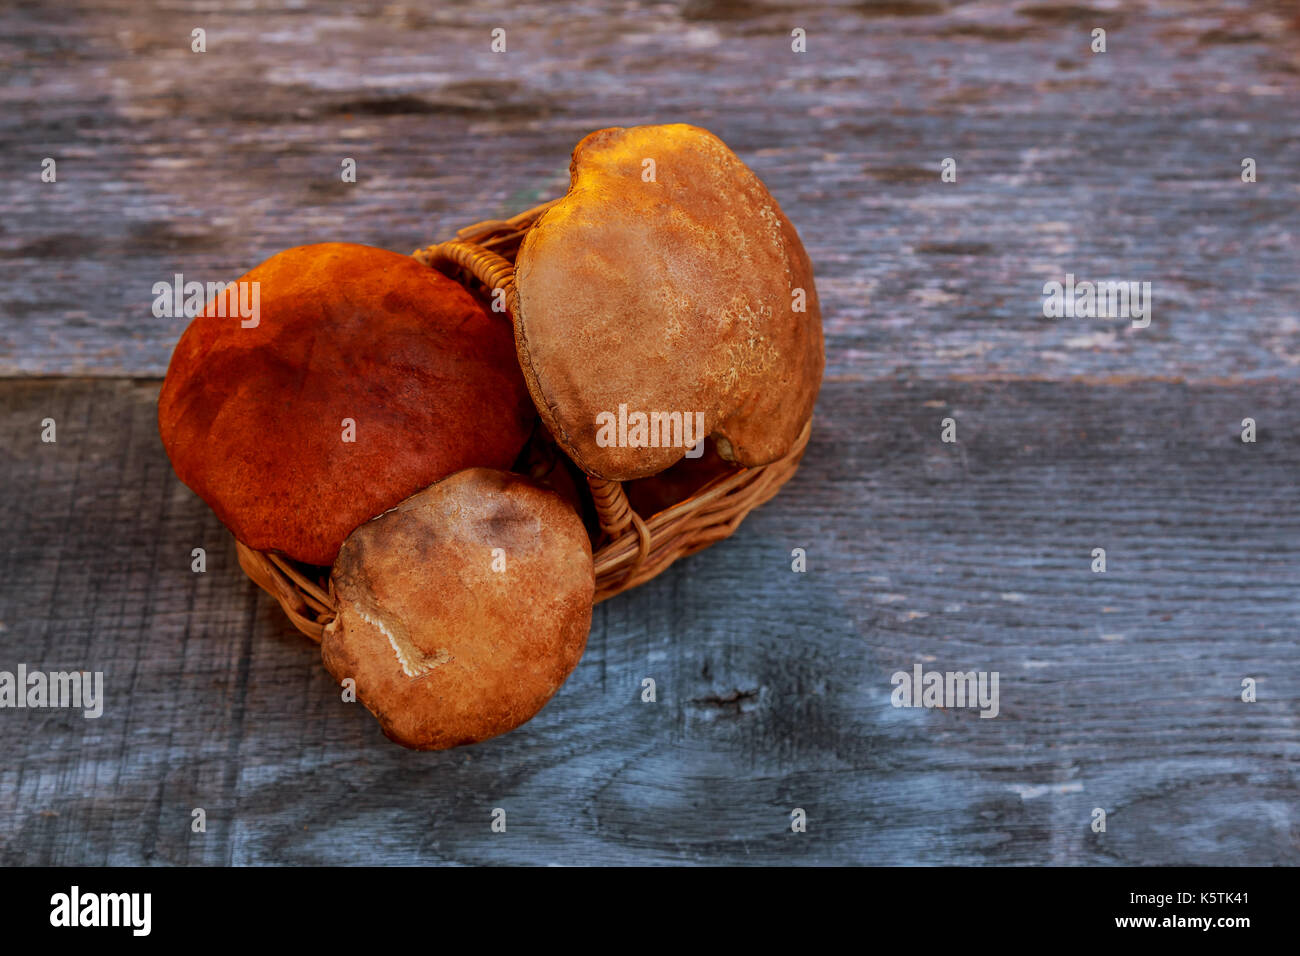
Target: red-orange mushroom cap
(366, 377)
(667, 281)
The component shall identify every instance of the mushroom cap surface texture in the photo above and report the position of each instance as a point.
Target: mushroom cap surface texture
(450, 643)
(677, 294)
(253, 419)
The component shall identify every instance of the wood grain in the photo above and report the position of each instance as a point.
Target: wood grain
(1123, 165)
(1118, 690)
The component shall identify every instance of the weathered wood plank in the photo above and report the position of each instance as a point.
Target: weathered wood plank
(1118, 690)
(1123, 165)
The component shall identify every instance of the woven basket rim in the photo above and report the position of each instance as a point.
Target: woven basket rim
(632, 549)
(647, 548)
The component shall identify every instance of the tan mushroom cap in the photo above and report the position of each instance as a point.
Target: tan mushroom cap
(255, 418)
(672, 295)
(445, 648)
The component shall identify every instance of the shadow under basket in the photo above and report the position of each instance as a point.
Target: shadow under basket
(631, 549)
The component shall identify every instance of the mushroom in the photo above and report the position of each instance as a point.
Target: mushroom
(365, 377)
(462, 610)
(666, 282)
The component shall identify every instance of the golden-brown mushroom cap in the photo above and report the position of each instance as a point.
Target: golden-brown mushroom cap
(677, 292)
(450, 640)
(256, 419)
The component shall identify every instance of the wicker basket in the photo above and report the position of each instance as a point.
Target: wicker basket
(632, 549)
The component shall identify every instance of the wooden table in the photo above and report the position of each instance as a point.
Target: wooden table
(1119, 691)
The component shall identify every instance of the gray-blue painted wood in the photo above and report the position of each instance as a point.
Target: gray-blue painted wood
(1118, 690)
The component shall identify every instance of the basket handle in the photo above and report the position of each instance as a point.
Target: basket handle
(492, 270)
(496, 272)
